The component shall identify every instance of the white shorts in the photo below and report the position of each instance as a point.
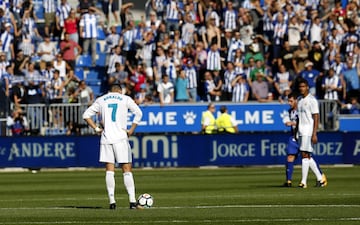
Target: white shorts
(118, 152)
(305, 144)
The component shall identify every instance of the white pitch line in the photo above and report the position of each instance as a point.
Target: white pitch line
(187, 221)
(202, 207)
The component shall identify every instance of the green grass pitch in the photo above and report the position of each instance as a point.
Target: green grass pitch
(244, 195)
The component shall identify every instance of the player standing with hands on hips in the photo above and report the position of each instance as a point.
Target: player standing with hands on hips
(113, 108)
(308, 112)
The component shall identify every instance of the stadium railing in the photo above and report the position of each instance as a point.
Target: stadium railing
(45, 119)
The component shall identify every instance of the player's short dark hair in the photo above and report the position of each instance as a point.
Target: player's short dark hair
(303, 81)
(293, 95)
(115, 86)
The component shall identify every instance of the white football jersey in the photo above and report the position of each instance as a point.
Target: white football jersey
(113, 109)
(306, 108)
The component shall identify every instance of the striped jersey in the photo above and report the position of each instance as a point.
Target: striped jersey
(89, 23)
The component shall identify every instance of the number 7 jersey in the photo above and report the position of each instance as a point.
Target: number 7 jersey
(113, 109)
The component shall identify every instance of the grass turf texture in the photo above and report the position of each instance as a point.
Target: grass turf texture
(250, 195)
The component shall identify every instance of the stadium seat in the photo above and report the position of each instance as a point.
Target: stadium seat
(92, 78)
(79, 72)
(118, 29)
(101, 34)
(98, 47)
(101, 61)
(96, 89)
(83, 61)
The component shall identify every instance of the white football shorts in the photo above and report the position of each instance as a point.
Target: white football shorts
(305, 144)
(118, 152)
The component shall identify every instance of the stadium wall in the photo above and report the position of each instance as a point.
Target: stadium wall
(176, 150)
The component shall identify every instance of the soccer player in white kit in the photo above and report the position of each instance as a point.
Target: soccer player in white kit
(113, 108)
(308, 112)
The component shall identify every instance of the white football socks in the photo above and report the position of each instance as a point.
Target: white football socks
(129, 185)
(110, 185)
(315, 169)
(305, 170)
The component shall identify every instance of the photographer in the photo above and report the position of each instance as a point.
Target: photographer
(17, 122)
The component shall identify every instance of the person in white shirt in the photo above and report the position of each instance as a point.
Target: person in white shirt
(308, 110)
(166, 91)
(114, 144)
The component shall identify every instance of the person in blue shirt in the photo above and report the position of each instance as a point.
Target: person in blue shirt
(310, 74)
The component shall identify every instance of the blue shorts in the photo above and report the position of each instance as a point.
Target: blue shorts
(292, 147)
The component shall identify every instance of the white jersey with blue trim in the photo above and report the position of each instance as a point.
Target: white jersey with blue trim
(113, 109)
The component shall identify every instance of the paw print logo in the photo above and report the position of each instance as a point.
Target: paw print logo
(284, 114)
(189, 118)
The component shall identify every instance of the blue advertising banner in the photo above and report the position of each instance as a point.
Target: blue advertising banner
(175, 150)
(349, 123)
(180, 118)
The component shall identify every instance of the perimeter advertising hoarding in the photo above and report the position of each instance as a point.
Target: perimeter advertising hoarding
(175, 150)
(180, 118)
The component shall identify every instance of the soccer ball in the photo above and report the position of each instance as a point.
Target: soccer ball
(145, 200)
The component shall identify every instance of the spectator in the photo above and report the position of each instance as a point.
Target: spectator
(113, 39)
(213, 58)
(311, 75)
(113, 6)
(172, 16)
(7, 40)
(241, 89)
(137, 78)
(115, 57)
(294, 33)
(282, 81)
(192, 77)
(181, 84)
(27, 47)
(67, 48)
(85, 93)
(121, 76)
(229, 76)
(29, 28)
(299, 57)
(46, 51)
(159, 7)
(71, 26)
(34, 84)
(5, 90)
(17, 123)
(49, 16)
(260, 89)
(55, 88)
(71, 84)
(351, 77)
(88, 31)
(332, 86)
(166, 91)
(61, 65)
(353, 107)
(62, 13)
(286, 57)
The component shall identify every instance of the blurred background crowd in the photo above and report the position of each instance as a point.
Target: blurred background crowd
(179, 51)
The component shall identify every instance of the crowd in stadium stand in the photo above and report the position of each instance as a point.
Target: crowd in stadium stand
(181, 51)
